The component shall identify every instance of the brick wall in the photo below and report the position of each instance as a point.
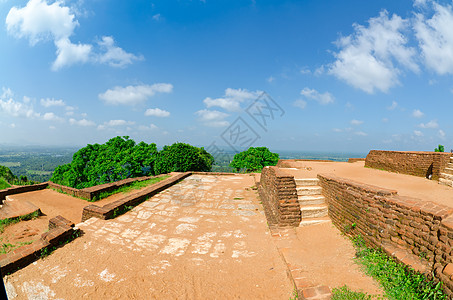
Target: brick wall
(409, 162)
(415, 232)
(21, 189)
(279, 196)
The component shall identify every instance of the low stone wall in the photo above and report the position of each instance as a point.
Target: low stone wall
(21, 189)
(415, 232)
(60, 230)
(107, 211)
(353, 160)
(279, 196)
(91, 192)
(409, 162)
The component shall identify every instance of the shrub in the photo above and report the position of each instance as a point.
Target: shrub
(254, 159)
(440, 148)
(181, 157)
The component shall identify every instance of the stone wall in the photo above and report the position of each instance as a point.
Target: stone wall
(21, 189)
(415, 232)
(279, 196)
(409, 162)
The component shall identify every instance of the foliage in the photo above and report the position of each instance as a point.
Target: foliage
(181, 157)
(4, 184)
(344, 293)
(136, 185)
(398, 281)
(117, 159)
(6, 174)
(254, 159)
(8, 247)
(10, 221)
(439, 148)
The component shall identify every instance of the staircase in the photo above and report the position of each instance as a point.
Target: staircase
(312, 204)
(446, 178)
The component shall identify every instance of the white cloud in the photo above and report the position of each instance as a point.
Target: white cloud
(113, 55)
(435, 37)
(82, 122)
(337, 130)
(150, 127)
(393, 106)
(157, 17)
(52, 102)
(418, 133)
(365, 59)
(417, 113)
(360, 133)
(40, 21)
(356, 122)
(50, 116)
(132, 95)
(115, 123)
(15, 108)
(157, 112)
(385, 120)
(300, 103)
(270, 79)
(441, 133)
(431, 124)
(12, 125)
(305, 71)
(323, 99)
(232, 99)
(212, 118)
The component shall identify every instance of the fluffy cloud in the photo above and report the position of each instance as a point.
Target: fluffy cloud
(393, 106)
(15, 108)
(113, 55)
(300, 103)
(82, 122)
(360, 133)
(145, 128)
(323, 99)
(133, 94)
(212, 118)
(418, 133)
(356, 122)
(39, 21)
(50, 116)
(365, 60)
(115, 123)
(431, 124)
(232, 99)
(435, 38)
(417, 113)
(52, 102)
(157, 112)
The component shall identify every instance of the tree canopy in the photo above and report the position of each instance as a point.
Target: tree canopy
(6, 174)
(117, 159)
(181, 157)
(254, 159)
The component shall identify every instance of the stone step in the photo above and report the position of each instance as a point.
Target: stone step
(450, 165)
(448, 171)
(306, 181)
(446, 176)
(313, 211)
(311, 200)
(308, 190)
(451, 159)
(314, 221)
(447, 182)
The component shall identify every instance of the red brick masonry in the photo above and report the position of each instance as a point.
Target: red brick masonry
(279, 196)
(60, 230)
(415, 232)
(409, 162)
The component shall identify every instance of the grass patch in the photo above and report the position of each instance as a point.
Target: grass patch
(4, 184)
(120, 211)
(136, 185)
(10, 221)
(7, 247)
(344, 293)
(50, 249)
(398, 280)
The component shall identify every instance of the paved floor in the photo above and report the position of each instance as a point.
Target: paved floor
(204, 238)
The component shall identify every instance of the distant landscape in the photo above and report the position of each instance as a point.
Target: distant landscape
(38, 162)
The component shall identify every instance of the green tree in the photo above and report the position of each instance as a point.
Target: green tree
(118, 158)
(440, 148)
(181, 157)
(254, 159)
(6, 173)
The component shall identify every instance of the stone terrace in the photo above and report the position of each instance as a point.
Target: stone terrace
(205, 237)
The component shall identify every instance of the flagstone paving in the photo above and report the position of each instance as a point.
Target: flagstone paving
(205, 237)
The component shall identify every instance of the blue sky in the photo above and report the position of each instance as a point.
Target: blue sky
(345, 75)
